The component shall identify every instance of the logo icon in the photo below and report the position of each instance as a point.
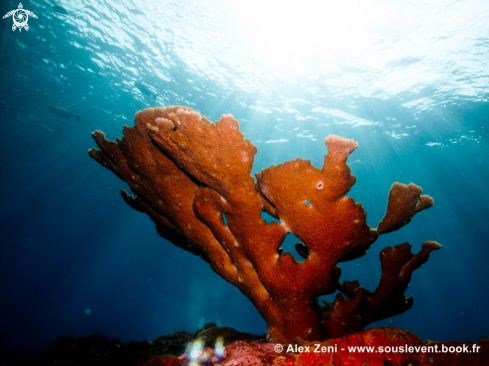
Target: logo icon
(20, 17)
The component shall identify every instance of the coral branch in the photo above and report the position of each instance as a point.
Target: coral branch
(363, 307)
(192, 177)
(404, 202)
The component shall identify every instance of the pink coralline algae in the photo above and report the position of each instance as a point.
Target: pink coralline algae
(374, 347)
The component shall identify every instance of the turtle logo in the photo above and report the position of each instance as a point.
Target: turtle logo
(20, 17)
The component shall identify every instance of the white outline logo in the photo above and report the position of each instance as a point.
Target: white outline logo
(20, 17)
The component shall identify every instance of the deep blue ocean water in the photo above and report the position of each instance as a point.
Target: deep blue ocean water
(409, 82)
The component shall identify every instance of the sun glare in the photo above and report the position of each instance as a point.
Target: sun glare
(306, 35)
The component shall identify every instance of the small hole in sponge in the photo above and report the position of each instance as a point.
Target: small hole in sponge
(320, 185)
(302, 250)
(224, 219)
(307, 203)
(294, 247)
(268, 218)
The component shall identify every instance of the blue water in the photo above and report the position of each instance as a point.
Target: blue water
(409, 82)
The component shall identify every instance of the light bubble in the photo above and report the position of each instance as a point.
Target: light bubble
(87, 311)
(219, 347)
(196, 348)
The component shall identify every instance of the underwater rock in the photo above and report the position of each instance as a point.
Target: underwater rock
(94, 349)
(192, 177)
(211, 332)
(159, 361)
(375, 347)
(99, 350)
(388, 346)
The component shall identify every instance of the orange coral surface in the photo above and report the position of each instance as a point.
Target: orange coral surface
(188, 173)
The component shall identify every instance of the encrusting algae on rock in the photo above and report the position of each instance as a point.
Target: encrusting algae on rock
(192, 177)
(216, 346)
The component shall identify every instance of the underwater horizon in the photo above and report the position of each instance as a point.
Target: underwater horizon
(409, 81)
